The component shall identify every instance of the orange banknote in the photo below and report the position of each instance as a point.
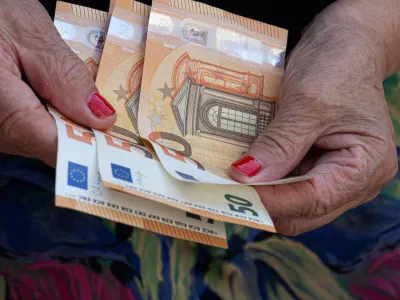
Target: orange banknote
(120, 73)
(209, 87)
(79, 185)
(126, 162)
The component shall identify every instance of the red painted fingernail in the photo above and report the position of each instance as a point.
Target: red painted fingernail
(100, 107)
(247, 166)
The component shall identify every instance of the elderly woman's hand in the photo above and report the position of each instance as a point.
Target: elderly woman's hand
(332, 117)
(30, 46)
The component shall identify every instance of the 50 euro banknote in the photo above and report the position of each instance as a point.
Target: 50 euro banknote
(79, 187)
(209, 88)
(146, 178)
(78, 181)
(128, 163)
(120, 72)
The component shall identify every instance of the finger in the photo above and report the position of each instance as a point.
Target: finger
(59, 76)
(296, 226)
(278, 150)
(345, 179)
(308, 162)
(26, 128)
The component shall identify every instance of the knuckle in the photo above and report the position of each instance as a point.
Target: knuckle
(39, 36)
(6, 126)
(325, 202)
(18, 131)
(282, 142)
(343, 185)
(299, 104)
(303, 96)
(10, 132)
(66, 73)
(317, 208)
(287, 227)
(74, 70)
(277, 142)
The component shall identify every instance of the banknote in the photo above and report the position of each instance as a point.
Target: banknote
(122, 151)
(120, 72)
(103, 202)
(209, 87)
(79, 187)
(83, 29)
(135, 169)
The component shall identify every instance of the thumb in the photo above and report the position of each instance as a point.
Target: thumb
(277, 151)
(60, 77)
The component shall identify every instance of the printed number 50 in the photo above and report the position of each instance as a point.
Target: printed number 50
(242, 205)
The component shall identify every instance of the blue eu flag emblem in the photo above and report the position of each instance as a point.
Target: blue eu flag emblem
(120, 172)
(77, 175)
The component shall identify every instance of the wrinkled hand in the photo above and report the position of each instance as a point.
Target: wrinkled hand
(331, 117)
(30, 45)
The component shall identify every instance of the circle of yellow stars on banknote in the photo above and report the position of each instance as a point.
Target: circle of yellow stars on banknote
(75, 174)
(121, 173)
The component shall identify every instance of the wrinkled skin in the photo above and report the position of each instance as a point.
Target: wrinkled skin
(331, 102)
(30, 45)
(332, 118)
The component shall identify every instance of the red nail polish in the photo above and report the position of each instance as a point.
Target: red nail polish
(247, 166)
(100, 107)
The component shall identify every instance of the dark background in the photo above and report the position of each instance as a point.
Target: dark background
(293, 15)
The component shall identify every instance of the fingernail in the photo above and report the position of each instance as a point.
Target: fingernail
(247, 166)
(100, 106)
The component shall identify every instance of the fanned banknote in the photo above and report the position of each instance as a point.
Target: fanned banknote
(83, 29)
(126, 162)
(136, 170)
(79, 187)
(120, 73)
(209, 87)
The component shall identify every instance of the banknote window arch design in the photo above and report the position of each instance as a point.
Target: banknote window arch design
(231, 119)
(219, 103)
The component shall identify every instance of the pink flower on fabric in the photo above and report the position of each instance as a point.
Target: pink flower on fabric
(381, 280)
(55, 280)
